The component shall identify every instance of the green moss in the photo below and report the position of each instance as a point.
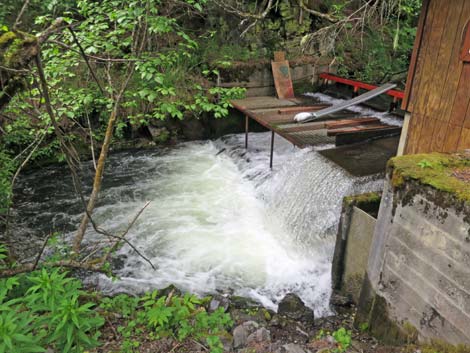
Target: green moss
(437, 346)
(368, 202)
(370, 197)
(435, 170)
(15, 48)
(6, 38)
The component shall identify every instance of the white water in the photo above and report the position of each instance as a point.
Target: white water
(225, 222)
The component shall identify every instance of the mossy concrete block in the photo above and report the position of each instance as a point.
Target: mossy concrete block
(420, 255)
(353, 242)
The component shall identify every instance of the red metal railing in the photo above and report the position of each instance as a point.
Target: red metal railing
(357, 85)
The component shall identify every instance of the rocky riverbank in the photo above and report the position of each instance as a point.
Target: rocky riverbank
(292, 329)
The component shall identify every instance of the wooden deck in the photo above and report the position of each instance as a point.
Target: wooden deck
(277, 115)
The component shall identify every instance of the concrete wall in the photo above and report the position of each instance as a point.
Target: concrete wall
(419, 264)
(257, 76)
(353, 243)
(361, 231)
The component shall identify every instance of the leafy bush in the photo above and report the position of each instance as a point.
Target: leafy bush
(343, 339)
(48, 315)
(180, 317)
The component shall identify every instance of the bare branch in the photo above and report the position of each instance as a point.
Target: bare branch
(22, 11)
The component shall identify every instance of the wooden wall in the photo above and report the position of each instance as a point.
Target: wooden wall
(438, 86)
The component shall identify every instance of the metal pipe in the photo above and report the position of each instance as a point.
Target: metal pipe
(247, 119)
(272, 150)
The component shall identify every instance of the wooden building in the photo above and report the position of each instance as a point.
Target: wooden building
(437, 95)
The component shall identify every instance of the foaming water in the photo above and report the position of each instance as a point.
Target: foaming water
(219, 219)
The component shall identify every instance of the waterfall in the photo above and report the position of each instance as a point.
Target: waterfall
(219, 219)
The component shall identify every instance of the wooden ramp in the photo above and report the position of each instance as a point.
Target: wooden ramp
(277, 115)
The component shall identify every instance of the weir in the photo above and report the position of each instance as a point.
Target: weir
(217, 221)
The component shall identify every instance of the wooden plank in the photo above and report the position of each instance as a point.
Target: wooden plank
(311, 108)
(358, 129)
(282, 79)
(427, 84)
(426, 133)
(351, 122)
(279, 56)
(419, 70)
(462, 98)
(416, 52)
(444, 57)
(454, 71)
(465, 51)
(305, 127)
(415, 125)
(464, 142)
(452, 138)
(439, 135)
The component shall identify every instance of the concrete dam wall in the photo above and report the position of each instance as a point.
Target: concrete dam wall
(417, 281)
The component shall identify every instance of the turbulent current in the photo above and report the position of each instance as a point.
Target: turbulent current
(218, 220)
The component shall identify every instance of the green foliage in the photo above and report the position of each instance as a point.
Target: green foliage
(343, 339)
(381, 52)
(180, 317)
(6, 173)
(49, 314)
(364, 327)
(424, 164)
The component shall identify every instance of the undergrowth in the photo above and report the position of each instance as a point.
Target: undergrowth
(49, 309)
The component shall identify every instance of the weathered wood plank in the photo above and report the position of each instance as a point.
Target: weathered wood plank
(462, 98)
(439, 135)
(360, 128)
(311, 108)
(464, 142)
(453, 73)
(426, 133)
(427, 31)
(415, 55)
(444, 58)
(452, 138)
(437, 30)
(351, 122)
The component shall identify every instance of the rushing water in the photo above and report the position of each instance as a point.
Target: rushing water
(219, 219)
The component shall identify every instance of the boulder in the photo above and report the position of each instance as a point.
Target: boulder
(217, 302)
(292, 307)
(261, 335)
(241, 333)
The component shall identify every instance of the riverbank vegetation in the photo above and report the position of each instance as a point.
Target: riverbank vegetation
(78, 77)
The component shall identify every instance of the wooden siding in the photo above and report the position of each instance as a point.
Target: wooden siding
(438, 87)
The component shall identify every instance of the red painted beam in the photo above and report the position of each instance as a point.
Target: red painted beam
(357, 84)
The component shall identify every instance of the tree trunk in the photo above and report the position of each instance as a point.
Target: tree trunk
(98, 178)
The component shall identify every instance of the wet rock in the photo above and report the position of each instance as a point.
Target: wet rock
(217, 302)
(261, 335)
(243, 303)
(159, 135)
(291, 348)
(343, 301)
(294, 308)
(170, 289)
(241, 333)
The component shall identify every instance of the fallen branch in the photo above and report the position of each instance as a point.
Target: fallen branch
(65, 263)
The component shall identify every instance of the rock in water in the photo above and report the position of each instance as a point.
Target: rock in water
(294, 308)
